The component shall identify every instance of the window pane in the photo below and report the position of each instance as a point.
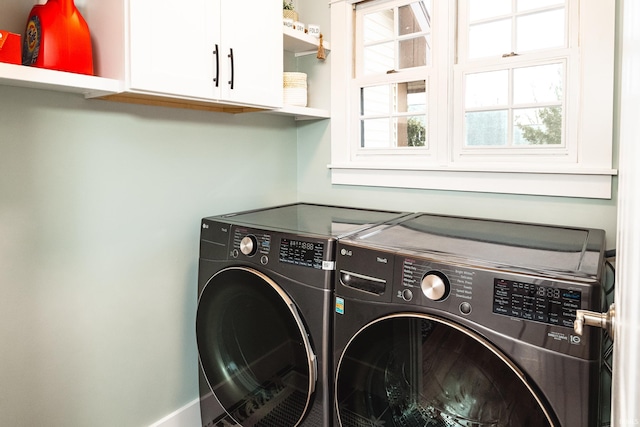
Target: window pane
(412, 131)
(415, 52)
(482, 9)
(486, 128)
(538, 126)
(378, 26)
(536, 4)
(490, 39)
(530, 36)
(389, 48)
(487, 89)
(378, 59)
(537, 84)
(414, 18)
(410, 92)
(407, 97)
(416, 96)
(393, 101)
(375, 100)
(376, 133)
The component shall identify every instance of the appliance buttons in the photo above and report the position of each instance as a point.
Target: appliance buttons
(407, 295)
(465, 308)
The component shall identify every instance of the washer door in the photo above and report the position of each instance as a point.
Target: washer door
(419, 370)
(254, 350)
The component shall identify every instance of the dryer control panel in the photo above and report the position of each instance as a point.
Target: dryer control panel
(305, 253)
(290, 249)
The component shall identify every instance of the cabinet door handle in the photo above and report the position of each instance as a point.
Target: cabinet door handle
(217, 77)
(231, 58)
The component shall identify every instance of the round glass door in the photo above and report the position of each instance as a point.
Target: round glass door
(254, 350)
(418, 370)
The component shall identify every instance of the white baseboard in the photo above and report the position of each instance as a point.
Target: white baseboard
(187, 416)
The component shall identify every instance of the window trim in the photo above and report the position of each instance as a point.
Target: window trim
(589, 177)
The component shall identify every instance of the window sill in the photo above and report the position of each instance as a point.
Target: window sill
(593, 184)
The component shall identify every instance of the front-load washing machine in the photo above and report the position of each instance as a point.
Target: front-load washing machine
(263, 320)
(448, 321)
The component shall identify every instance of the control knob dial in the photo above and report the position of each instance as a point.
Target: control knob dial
(249, 245)
(435, 286)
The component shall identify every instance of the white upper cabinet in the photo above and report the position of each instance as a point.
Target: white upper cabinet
(171, 47)
(221, 50)
(251, 31)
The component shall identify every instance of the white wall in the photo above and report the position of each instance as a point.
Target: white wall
(100, 206)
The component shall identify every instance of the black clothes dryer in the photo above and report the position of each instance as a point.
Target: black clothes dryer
(447, 321)
(263, 320)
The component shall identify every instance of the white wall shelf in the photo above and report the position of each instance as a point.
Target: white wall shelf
(300, 43)
(40, 78)
(301, 113)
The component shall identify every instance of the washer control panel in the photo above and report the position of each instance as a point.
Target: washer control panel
(534, 309)
(552, 305)
(436, 281)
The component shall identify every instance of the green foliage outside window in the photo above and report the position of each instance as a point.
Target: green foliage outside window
(416, 134)
(551, 131)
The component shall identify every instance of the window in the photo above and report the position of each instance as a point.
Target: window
(510, 96)
(392, 111)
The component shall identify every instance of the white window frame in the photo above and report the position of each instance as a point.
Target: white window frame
(584, 171)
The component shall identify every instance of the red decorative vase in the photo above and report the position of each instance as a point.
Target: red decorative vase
(57, 37)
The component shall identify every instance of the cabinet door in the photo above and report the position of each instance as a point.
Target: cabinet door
(252, 30)
(171, 47)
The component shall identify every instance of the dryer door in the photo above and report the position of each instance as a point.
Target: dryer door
(419, 370)
(254, 350)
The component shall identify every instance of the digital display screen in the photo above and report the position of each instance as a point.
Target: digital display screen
(545, 304)
(301, 252)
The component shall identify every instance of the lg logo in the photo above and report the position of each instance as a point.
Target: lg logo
(345, 252)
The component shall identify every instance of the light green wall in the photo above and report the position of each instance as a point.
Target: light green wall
(314, 183)
(100, 206)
